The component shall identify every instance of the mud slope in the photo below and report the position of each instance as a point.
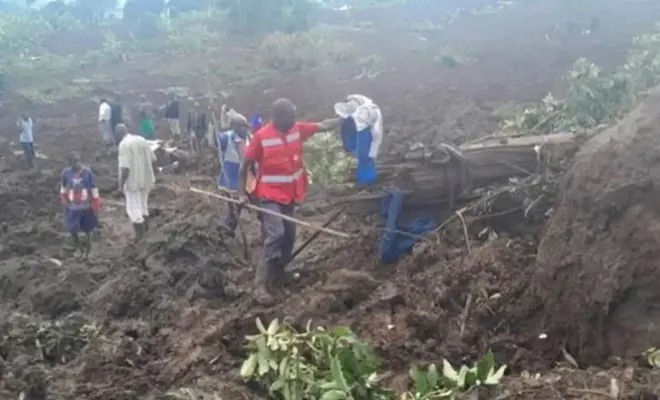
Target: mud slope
(598, 274)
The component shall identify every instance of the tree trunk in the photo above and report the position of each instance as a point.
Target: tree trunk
(431, 178)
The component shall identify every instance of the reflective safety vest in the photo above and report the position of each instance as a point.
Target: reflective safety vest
(282, 176)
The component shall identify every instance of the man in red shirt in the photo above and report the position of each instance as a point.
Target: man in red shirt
(277, 148)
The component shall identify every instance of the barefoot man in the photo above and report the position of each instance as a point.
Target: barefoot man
(136, 177)
(81, 201)
(277, 148)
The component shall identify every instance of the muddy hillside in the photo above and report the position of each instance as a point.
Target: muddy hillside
(553, 270)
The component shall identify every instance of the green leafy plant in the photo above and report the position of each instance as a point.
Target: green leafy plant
(302, 50)
(327, 162)
(319, 364)
(430, 385)
(593, 96)
(427, 385)
(652, 357)
(314, 364)
(481, 373)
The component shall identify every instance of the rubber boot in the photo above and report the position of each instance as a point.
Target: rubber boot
(75, 239)
(279, 277)
(263, 283)
(87, 246)
(263, 296)
(139, 231)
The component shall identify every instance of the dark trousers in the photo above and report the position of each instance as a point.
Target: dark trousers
(279, 237)
(233, 214)
(28, 151)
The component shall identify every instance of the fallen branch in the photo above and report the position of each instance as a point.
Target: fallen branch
(465, 231)
(466, 314)
(266, 211)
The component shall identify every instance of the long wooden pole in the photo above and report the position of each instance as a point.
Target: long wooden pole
(266, 211)
(316, 234)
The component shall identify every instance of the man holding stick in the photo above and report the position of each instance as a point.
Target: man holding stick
(231, 147)
(277, 149)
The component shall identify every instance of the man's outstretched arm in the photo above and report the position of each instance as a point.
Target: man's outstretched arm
(330, 124)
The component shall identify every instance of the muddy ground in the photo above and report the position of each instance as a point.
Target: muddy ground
(170, 315)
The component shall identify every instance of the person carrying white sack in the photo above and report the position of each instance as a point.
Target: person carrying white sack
(361, 134)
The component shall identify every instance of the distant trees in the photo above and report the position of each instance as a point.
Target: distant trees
(245, 16)
(87, 12)
(142, 17)
(257, 16)
(176, 7)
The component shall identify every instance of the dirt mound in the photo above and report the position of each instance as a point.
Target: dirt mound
(166, 319)
(597, 269)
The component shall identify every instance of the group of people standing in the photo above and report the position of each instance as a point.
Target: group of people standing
(137, 165)
(80, 195)
(260, 163)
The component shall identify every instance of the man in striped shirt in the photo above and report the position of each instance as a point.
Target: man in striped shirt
(81, 201)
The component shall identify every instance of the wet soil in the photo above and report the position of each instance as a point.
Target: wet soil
(167, 318)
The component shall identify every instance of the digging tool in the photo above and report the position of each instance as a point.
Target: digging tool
(246, 253)
(316, 234)
(285, 217)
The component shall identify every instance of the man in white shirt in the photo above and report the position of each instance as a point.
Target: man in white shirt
(105, 127)
(136, 177)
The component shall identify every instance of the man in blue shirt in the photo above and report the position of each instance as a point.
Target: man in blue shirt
(26, 138)
(231, 147)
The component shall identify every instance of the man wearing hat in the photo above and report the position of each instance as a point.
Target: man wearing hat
(231, 147)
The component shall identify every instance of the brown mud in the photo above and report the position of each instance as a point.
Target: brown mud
(598, 257)
(167, 318)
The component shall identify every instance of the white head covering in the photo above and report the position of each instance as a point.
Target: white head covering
(365, 113)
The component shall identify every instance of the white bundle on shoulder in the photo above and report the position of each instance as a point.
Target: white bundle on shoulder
(229, 116)
(365, 113)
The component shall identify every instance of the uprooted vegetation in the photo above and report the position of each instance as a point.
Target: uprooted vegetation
(503, 281)
(336, 364)
(594, 97)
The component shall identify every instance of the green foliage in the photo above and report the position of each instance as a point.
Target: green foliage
(337, 365)
(430, 385)
(22, 34)
(303, 50)
(258, 16)
(427, 385)
(326, 160)
(314, 364)
(55, 342)
(652, 357)
(593, 96)
(61, 16)
(451, 58)
(193, 32)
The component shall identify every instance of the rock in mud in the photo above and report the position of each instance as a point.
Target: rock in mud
(596, 283)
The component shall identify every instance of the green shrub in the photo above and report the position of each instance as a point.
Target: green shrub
(593, 96)
(326, 161)
(336, 364)
(303, 50)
